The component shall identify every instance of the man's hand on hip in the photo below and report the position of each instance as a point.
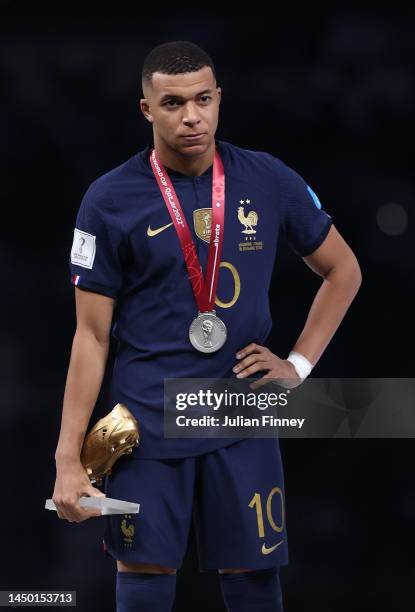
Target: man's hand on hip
(255, 358)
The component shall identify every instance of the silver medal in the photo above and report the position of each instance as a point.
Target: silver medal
(207, 332)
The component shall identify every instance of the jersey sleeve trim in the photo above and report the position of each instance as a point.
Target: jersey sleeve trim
(318, 241)
(94, 287)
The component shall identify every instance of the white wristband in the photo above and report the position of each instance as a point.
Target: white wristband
(301, 364)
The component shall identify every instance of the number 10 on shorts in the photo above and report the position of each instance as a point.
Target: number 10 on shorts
(256, 502)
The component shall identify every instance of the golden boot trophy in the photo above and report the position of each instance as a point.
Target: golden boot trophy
(112, 436)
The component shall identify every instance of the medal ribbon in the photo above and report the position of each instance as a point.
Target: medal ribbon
(203, 290)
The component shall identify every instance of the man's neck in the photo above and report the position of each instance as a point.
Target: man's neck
(192, 166)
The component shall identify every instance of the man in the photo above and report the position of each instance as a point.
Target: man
(130, 249)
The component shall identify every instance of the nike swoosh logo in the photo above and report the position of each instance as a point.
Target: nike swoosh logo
(151, 232)
(267, 551)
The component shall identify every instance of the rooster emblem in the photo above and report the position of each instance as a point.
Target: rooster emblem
(128, 531)
(249, 220)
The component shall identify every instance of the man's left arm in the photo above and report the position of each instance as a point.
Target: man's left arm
(336, 263)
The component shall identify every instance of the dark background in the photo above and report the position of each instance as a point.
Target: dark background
(329, 92)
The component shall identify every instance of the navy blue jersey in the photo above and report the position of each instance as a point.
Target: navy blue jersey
(126, 247)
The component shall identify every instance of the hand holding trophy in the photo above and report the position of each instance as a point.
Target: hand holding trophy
(74, 497)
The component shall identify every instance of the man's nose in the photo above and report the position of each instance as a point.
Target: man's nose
(190, 114)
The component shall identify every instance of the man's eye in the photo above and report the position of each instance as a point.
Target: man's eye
(173, 103)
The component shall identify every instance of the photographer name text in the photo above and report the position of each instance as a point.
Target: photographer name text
(265, 420)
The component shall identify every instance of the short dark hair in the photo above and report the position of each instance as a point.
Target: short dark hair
(176, 57)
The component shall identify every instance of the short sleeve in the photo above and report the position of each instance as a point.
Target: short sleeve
(96, 255)
(304, 222)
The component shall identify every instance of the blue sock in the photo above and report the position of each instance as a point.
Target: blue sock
(139, 592)
(255, 591)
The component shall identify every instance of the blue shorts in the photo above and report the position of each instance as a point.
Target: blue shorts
(234, 495)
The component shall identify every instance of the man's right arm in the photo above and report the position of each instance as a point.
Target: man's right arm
(86, 370)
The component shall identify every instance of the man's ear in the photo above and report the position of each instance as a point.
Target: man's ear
(219, 90)
(145, 109)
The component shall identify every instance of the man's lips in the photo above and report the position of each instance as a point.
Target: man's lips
(193, 137)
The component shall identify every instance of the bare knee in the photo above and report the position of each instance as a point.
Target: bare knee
(233, 570)
(145, 568)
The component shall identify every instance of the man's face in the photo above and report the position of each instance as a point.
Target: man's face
(181, 105)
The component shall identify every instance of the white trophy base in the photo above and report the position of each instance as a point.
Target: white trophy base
(107, 505)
